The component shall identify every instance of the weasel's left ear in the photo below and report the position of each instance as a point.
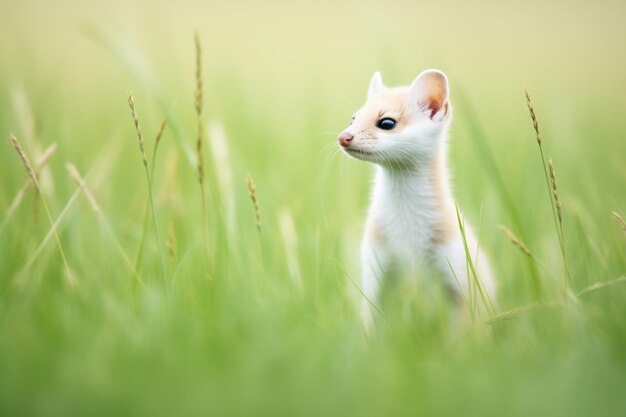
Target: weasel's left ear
(430, 91)
(376, 85)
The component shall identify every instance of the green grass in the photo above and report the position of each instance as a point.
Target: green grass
(253, 322)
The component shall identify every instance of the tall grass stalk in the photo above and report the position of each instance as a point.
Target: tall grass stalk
(620, 220)
(53, 230)
(601, 285)
(506, 315)
(252, 192)
(467, 299)
(478, 135)
(131, 104)
(198, 104)
(171, 242)
(477, 284)
(69, 276)
(40, 164)
(82, 185)
(146, 215)
(255, 201)
(102, 171)
(555, 204)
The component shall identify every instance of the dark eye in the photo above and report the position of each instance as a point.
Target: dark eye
(386, 124)
(351, 120)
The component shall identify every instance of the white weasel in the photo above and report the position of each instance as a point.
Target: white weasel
(412, 219)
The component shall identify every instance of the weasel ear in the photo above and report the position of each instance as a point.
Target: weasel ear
(430, 91)
(376, 85)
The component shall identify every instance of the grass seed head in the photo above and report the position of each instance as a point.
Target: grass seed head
(554, 190)
(533, 116)
(171, 241)
(200, 167)
(199, 98)
(198, 106)
(25, 160)
(255, 202)
(160, 131)
(40, 164)
(516, 241)
(131, 104)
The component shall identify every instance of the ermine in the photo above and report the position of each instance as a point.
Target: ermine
(412, 220)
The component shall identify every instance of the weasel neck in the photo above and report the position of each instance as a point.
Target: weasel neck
(415, 206)
(425, 185)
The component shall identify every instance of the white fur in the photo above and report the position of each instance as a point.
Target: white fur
(408, 205)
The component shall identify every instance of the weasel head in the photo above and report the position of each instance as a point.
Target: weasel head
(401, 126)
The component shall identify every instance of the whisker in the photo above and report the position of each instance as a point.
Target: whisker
(328, 147)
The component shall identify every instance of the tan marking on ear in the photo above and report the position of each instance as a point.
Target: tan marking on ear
(446, 228)
(435, 88)
(432, 91)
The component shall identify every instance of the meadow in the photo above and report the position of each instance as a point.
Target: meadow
(132, 286)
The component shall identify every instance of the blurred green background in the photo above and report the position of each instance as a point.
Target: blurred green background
(251, 323)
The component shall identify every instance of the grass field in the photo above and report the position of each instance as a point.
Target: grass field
(101, 315)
